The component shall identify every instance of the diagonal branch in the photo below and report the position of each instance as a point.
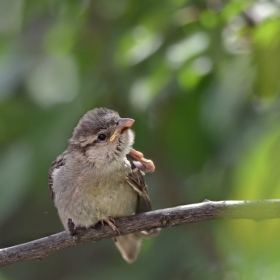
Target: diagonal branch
(205, 211)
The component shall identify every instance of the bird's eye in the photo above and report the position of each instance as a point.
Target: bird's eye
(102, 137)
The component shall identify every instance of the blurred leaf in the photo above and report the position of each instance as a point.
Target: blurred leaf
(10, 16)
(256, 174)
(53, 80)
(15, 175)
(267, 58)
(137, 46)
(61, 38)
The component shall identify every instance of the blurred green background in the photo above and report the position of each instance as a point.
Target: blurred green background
(202, 81)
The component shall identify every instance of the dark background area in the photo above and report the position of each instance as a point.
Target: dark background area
(201, 79)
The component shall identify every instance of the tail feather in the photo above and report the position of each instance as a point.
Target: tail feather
(129, 246)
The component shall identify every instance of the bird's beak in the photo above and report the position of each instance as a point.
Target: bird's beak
(123, 123)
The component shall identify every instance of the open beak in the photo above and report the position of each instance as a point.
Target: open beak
(123, 124)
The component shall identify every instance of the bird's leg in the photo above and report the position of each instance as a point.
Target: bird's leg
(143, 164)
(111, 222)
(71, 227)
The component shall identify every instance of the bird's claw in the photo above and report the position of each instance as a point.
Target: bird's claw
(71, 227)
(111, 222)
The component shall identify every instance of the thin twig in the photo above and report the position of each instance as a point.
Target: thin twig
(207, 210)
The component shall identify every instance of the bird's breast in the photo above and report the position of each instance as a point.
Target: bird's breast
(114, 200)
(88, 197)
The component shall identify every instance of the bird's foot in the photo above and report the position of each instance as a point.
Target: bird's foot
(143, 164)
(111, 222)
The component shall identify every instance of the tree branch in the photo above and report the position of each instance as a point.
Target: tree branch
(207, 210)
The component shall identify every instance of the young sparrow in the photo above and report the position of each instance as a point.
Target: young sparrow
(93, 181)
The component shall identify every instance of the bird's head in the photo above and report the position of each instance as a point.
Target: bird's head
(103, 136)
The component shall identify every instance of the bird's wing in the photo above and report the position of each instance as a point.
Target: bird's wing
(57, 163)
(137, 182)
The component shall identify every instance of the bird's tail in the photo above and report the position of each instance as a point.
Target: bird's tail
(129, 245)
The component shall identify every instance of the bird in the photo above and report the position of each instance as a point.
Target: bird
(95, 181)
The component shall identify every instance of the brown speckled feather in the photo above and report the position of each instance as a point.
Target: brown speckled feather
(58, 162)
(136, 180)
